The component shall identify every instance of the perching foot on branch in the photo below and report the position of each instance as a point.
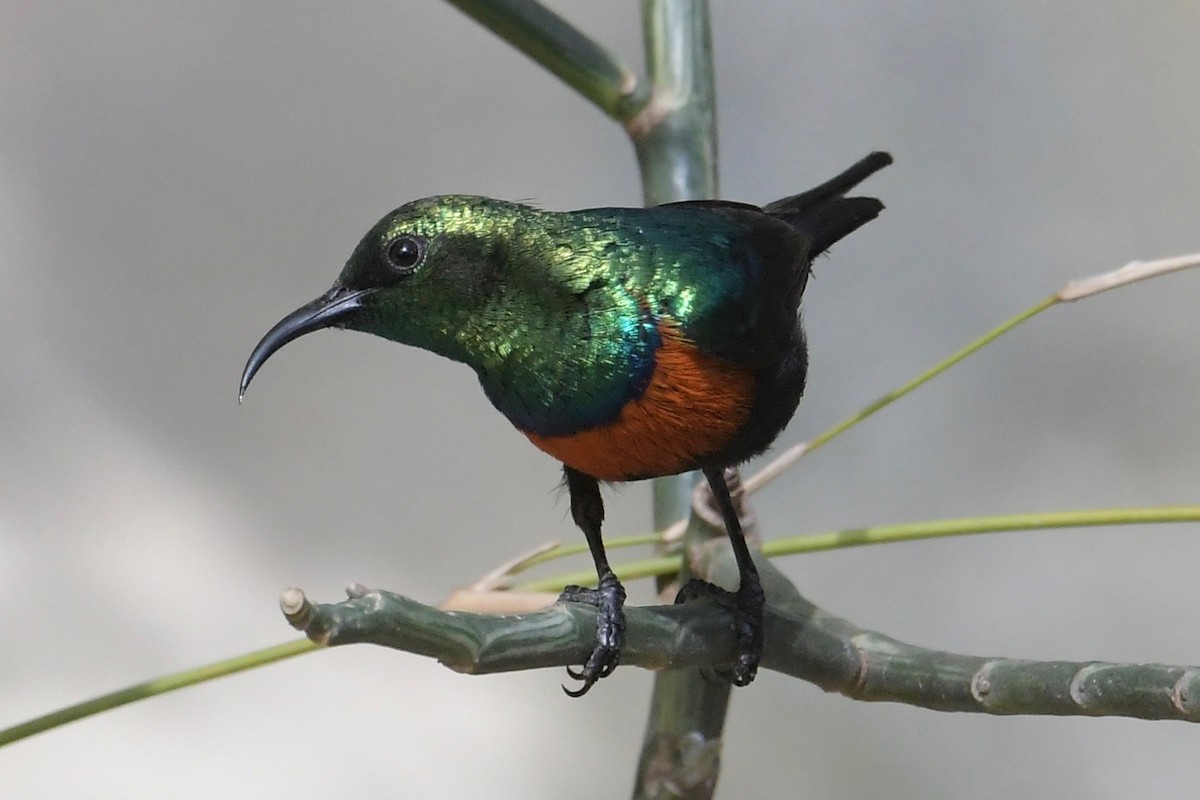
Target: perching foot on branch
(609, 600)
(659, 637)
(746, 607)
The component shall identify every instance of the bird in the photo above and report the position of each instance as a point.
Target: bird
(627, 343)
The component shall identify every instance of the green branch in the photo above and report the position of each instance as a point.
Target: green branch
(886, 534)
(675, 133)
(562, 49)
(157, 686)
(865, 665)
(802, 641)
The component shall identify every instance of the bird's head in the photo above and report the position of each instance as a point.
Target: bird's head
(411, 279)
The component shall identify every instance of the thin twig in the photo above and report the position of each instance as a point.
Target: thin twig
(903, 532)
(1131, 272)
(1075, 290)
(154, 687)
(498, 577)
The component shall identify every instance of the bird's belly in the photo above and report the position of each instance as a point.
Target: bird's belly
(693, 406)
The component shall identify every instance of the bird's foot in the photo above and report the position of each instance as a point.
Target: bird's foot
(746, 606)
(609, 600)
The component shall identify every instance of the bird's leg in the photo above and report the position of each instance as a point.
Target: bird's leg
(587, 509)
(747, 602)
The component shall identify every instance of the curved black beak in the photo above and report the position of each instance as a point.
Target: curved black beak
(324, 312)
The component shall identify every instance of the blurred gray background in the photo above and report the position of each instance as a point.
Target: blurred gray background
(176, 176)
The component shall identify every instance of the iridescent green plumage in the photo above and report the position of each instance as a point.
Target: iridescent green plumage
(557, 311)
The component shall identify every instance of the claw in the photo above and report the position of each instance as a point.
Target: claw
(600, 665)
(608, 599)
(581, 691)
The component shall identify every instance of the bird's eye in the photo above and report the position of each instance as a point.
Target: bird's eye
(404, 253)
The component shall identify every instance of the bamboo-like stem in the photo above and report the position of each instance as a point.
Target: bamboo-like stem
(802, 641)
(675, 133)
(675, 136)
(562, 49)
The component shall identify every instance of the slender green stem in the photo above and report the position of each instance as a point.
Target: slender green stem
(562, 49)
(933, 529)
(890, 534)
(157, 686)
(1075, 290)
(789, 457)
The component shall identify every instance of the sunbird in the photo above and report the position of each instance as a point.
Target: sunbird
(627, 343)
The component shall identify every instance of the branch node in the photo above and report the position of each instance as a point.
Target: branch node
(1079, 695)
(981, 684)
(1182, 697)
(659, 107)
(297, 609)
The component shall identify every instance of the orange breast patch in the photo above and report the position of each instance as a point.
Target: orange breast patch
(692, 407)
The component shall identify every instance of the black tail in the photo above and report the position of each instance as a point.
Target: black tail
(824, 214)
